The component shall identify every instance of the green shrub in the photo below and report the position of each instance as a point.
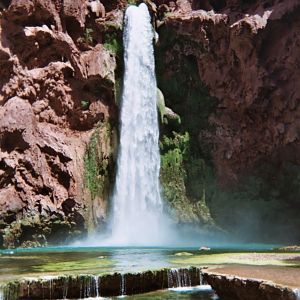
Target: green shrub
(88, 38)
(132, 2)
(96, 160)
(112, 43)
(175, 152)
(85, 105)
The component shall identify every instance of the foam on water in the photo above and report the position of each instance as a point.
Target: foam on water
(205, 287)
(1, 293)
(297, 293)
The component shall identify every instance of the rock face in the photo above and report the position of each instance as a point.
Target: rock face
(56, 86)
(246, 53)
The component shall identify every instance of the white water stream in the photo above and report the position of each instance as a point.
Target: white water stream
(297, 293)
(137, 217)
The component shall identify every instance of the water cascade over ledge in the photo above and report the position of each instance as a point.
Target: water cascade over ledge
(137, 217)
(106, 285)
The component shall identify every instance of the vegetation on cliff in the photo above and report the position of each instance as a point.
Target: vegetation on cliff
(99, 172)
(247, 207)
(185, 163)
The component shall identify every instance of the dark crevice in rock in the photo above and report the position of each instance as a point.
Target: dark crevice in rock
(4, 4)
(111, 4)
(53, 153)
(7, 174)
(13, 141)
(68, 206)
(45, 191)
(9, 217)
(27, 165)
(218, 4)
(73, 28)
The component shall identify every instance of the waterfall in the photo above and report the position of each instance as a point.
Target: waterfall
(96, 280)
(123, 285)
(179, 278)
(297, 293)
(50, 288)
(65, 287)
(137, 206)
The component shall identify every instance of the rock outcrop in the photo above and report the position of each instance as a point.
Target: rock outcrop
(246, 53)
(228, 69)
(238, 288)
(56, 88)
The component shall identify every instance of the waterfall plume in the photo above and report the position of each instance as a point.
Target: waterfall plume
(137, 217)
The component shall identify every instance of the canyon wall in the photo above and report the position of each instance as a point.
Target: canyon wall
(247, 55)
(229, 70)
(58, 113)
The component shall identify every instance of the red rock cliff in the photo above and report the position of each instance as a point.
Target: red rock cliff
(56, 86)
(247, 53)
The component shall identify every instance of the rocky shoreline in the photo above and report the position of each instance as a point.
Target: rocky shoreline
(230, 287)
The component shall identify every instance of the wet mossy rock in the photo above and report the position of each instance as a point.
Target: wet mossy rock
(161, 104)
(259, 196)
(99, 170)
(186, 167)
(165, 112)
(174, 154)
(85, 286)
(38, 230)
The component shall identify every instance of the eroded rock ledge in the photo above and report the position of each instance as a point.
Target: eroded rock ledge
(84, 286)
(230, 287)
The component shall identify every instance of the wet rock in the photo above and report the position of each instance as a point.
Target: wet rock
(290, 248)
(97, 8)
(75, 12)
(237, 288)
(35, 11)
(100, 64)
(84, 286)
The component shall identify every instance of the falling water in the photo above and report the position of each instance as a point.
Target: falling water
(137, 205)
(201, 281)
(96, 280)
(179, 278)
(65, 287)
(297, 293)
(123, 285)
(50, 287)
